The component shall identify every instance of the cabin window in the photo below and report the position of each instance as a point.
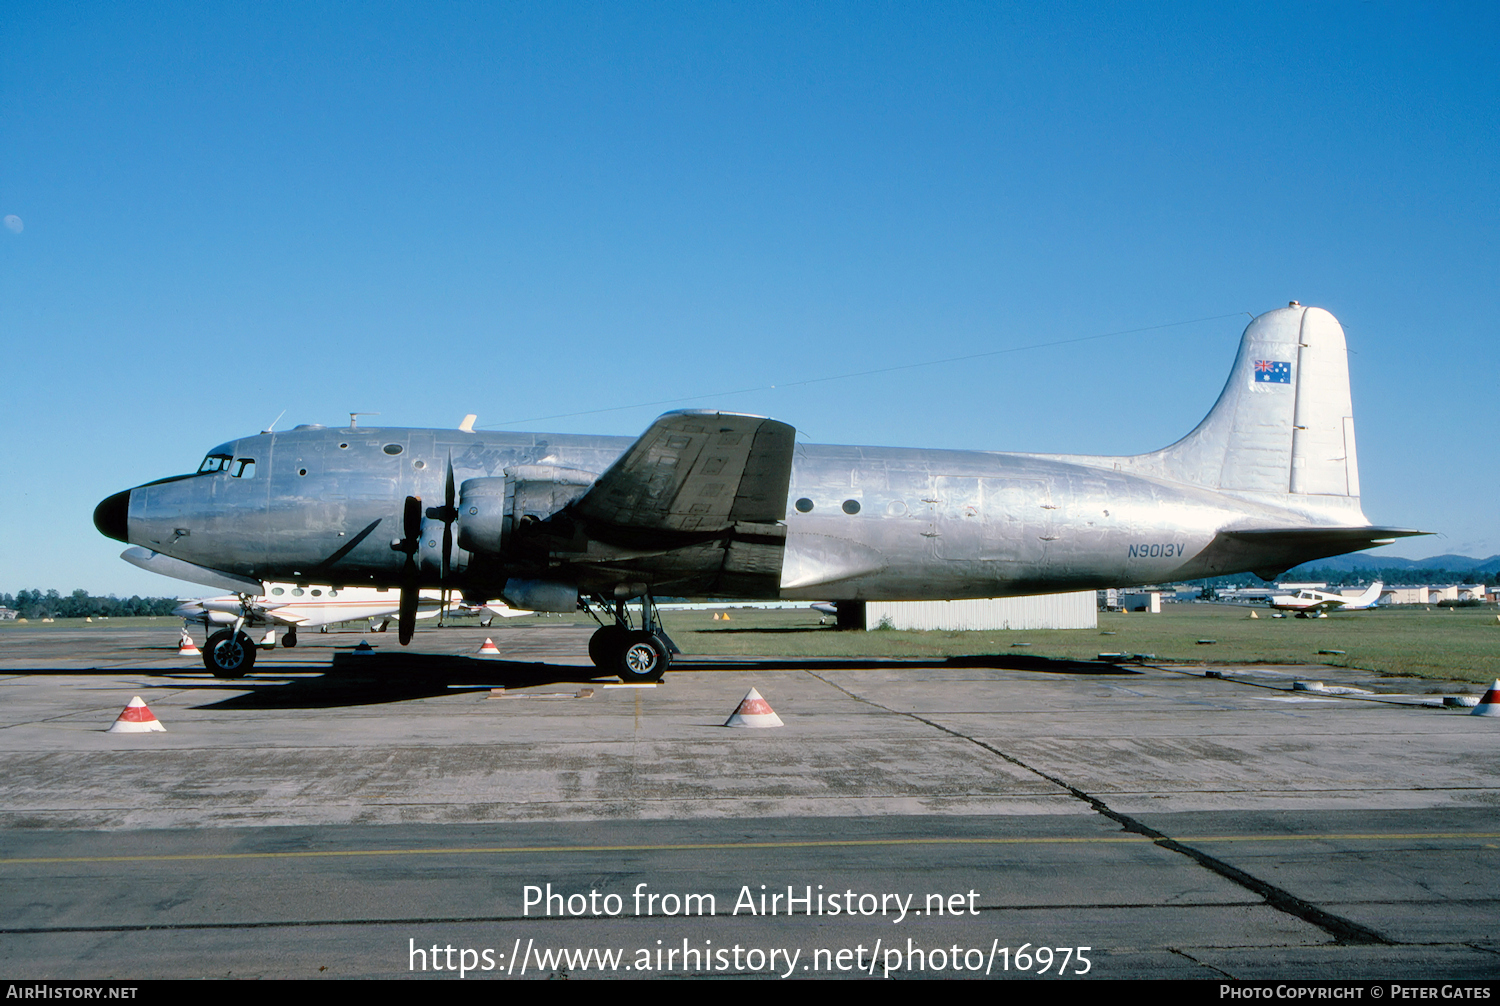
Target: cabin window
(804, 505)
(243, 468)
(393, 449)
(278, 591)
(851, 507)
(296, 591)
(214, 463)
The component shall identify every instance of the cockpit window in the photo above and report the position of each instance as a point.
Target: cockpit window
(214, 463)
(242, 468)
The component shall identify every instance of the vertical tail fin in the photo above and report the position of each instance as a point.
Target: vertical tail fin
(1283, 424)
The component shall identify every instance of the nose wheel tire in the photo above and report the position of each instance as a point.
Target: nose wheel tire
(228, 654)
(643, 658)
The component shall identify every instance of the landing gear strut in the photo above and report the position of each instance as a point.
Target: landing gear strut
(636, 655)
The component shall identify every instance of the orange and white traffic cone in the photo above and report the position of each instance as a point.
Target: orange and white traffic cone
(1490, 704)
(136, 718)
(489, 649)
(187, 648)
(754, 711)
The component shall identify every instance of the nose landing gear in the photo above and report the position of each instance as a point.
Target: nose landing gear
(229, 654)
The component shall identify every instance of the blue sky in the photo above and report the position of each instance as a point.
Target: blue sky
(529, 211)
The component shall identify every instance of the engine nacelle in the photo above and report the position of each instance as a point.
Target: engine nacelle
(482, 515)
(490, 509)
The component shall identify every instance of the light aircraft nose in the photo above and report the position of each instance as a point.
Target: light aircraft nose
(111, 516)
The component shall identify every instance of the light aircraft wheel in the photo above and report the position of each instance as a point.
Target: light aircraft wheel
(290, 639)
(228, 654)
(605, 646)
(644, 658)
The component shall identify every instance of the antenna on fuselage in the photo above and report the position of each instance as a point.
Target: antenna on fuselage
(467, 425)
(354, 418)
(272, 427)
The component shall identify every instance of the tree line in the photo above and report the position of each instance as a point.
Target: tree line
(80, 604)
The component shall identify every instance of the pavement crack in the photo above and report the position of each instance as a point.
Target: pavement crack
(1202, 964)
(1343, 930)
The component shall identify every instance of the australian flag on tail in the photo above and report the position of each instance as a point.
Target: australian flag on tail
(1273, 372)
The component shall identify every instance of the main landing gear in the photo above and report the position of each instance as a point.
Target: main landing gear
(229, 653)
(636, 655)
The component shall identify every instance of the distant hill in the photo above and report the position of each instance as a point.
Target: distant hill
(1362, 568)
(1362, 562)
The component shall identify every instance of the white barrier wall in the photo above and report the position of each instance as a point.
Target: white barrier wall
(1078, 610)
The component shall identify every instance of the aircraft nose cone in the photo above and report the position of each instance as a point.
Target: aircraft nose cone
(110, 517)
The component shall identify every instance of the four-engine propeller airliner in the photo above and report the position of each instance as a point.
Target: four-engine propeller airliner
(722, 505)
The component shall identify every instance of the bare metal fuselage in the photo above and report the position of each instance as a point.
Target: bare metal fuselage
(324, 505)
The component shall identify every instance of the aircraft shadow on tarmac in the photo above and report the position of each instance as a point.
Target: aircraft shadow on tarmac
(385, 678)
(398, 677)
(363, 680)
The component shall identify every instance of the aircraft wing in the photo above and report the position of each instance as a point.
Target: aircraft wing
(696, 471)
(695, 506)
(504, 610)
(180, 569)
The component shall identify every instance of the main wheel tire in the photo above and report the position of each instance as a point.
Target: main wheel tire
(290, 639)
(228, 654)
(643, 658)
(605, 646)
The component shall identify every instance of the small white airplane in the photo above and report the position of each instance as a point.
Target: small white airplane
(1309, 603)
(302, 607)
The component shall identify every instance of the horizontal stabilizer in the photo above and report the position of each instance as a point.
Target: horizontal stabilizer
(1269, 552)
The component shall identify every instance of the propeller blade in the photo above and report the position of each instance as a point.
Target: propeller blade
(450, 514)
(411, 521)
(411, 574)
(406, 614)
